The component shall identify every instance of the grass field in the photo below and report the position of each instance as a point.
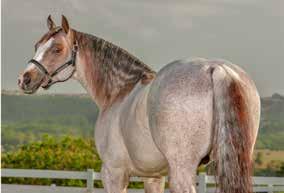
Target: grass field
(268, 156)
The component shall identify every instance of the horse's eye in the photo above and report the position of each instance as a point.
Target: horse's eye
(57, 50)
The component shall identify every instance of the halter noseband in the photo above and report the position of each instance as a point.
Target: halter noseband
(44, 71)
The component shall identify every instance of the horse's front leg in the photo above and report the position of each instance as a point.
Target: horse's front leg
(115, 180)
(154, 185)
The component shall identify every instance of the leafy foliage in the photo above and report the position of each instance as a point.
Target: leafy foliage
(64, 153)
(15, 134)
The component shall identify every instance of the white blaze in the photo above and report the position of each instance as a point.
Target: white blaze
(40, 52)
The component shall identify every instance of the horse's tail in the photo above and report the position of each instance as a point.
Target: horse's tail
(232, 143)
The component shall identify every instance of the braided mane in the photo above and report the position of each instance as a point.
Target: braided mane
(112, 71)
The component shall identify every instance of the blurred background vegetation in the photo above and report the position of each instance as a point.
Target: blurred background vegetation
(56, 132)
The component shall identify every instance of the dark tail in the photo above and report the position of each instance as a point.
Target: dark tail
(232, 141)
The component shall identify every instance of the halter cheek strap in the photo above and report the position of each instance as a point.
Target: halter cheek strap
(44, 71)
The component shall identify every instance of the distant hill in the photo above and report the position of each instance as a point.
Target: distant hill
(271, 135)
(27, 117)
(18, 107)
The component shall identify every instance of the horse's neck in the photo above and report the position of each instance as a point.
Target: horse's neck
(108, 72)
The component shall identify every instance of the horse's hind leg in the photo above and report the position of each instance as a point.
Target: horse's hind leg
(184, 144)
(182, 174)
(184, 152)
(154, 185)
(181, 116)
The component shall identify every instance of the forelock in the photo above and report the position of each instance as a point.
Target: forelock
(48, 35)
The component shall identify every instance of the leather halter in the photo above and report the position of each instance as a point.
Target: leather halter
(44, 71)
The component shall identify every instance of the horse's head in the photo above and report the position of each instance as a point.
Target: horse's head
(54, 59)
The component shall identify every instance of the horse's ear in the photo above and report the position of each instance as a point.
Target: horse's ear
(64, 24)
(50, 23)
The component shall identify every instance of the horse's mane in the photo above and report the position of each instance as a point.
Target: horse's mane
(115, 71)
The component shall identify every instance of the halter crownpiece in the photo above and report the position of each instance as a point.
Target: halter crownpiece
(44, 71)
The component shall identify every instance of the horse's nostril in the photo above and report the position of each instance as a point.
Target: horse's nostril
(26, 79)
(19, 81)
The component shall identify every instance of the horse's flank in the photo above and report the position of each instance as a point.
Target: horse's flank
(111, 72)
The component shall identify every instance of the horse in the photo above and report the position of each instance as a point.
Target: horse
(153, 124)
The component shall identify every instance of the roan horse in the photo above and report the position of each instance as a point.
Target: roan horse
(153, 124)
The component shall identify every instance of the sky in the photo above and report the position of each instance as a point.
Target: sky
(249, 33)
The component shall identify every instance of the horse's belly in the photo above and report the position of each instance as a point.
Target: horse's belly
(146, 159)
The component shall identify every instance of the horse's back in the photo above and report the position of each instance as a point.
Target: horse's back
(182, 78)
(180, 87)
